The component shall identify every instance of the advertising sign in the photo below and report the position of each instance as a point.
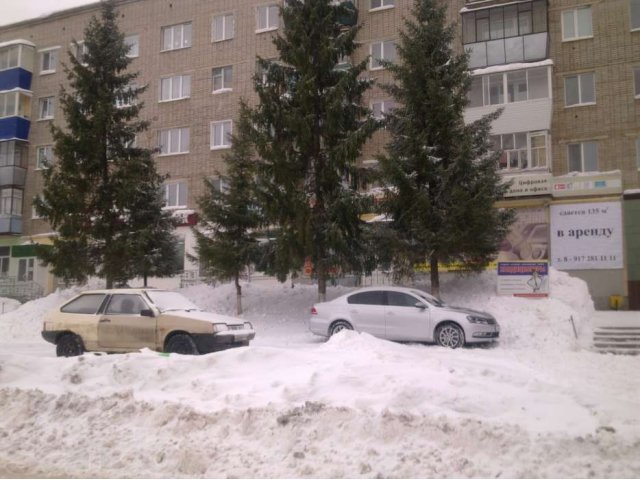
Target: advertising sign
(523, 279)
(528, 238)
(525, 185)
(586, 236)
(588, 184)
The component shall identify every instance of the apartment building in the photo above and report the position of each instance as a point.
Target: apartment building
(566, 73)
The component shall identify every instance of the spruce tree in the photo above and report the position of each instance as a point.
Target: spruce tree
(309, 128)
(442, 176)
(226, 235)
(95, 194)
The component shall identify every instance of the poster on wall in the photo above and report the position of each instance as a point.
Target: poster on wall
(523, 279)
(528, 238)
(586, 236)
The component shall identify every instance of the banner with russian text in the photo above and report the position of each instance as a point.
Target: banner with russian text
(586, 236)
(523, 279)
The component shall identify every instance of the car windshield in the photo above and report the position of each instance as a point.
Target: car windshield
(429, 298)
(168, 301)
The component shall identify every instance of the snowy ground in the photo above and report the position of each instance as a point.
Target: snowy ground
(539, 404)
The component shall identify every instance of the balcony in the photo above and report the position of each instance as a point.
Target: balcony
(350, 18)
(12, 176)
(14, 128)
(527, 48)
(10, 224)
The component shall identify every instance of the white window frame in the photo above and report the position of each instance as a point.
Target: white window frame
(80, 51)
(183, 86)
(228, 31)
(574, 14)
(34, 213)
(124, 103)
(386, 105)
(51, 108)
(29, 269)
(582, 144)
(133, 53)
(179, 185)
(48, 51)
(529, 152)
(224, 88)
(218, 139)
(270, 7)
(384, 5)
(40, 165)
(11, 202)
(634, 6)
(373, 60)
(174, 30)
(580, 102)
(180, 149)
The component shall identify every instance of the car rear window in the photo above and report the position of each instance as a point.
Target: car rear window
(367, 298)
(86, 304)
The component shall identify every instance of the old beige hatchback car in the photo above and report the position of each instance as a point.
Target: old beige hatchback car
(126, 320)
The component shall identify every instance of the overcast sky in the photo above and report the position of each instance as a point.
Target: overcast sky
(17, 10)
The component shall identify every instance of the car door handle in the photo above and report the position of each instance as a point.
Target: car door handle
(105, 320)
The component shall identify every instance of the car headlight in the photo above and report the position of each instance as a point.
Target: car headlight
(220, 327)
(478, 320)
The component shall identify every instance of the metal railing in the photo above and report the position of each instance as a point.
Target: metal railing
(22, 290)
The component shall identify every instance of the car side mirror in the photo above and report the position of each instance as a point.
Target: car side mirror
(147, 312)
(420, 305)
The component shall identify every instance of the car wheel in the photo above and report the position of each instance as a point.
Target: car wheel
(69, 345)
(450, 335)
(181, 343)
(339, 326)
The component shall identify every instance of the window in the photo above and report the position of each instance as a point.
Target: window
(174, 140)
(176, 36)
(127, 97)
(221, 134)
(220, 185)
(45, 108)
(521, 151)
(399, 299)
(367, 298)
(222, 79)
(520, 85)
(48, 61)
(13, 153)
(80, 52)
(636, 81)
(9, 57)
(133, 42)
(583, 157)
(85, 304)
(267, 17)
(223, 27)
(382, 4)
(579, 89)
(576, 23)
(8, 104)
(44, 157)
(122, 304)
(382, 51)
(638, 153)
(635, 14)
(175, 88)
(11, 202)
(504, 22)
(175, 194)
(5, 258)
(381, 107)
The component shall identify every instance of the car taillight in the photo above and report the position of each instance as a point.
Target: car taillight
(314, 311)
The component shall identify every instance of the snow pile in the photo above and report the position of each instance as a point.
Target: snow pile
(295, 405)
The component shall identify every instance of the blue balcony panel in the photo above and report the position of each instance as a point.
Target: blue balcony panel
(14, 127)
(15, 78)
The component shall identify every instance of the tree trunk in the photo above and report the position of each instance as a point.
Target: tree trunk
(145, 279)
(322, 282)
(435, 278)
(238, 295)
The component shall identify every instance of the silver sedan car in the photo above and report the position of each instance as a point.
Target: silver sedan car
(403, 314)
